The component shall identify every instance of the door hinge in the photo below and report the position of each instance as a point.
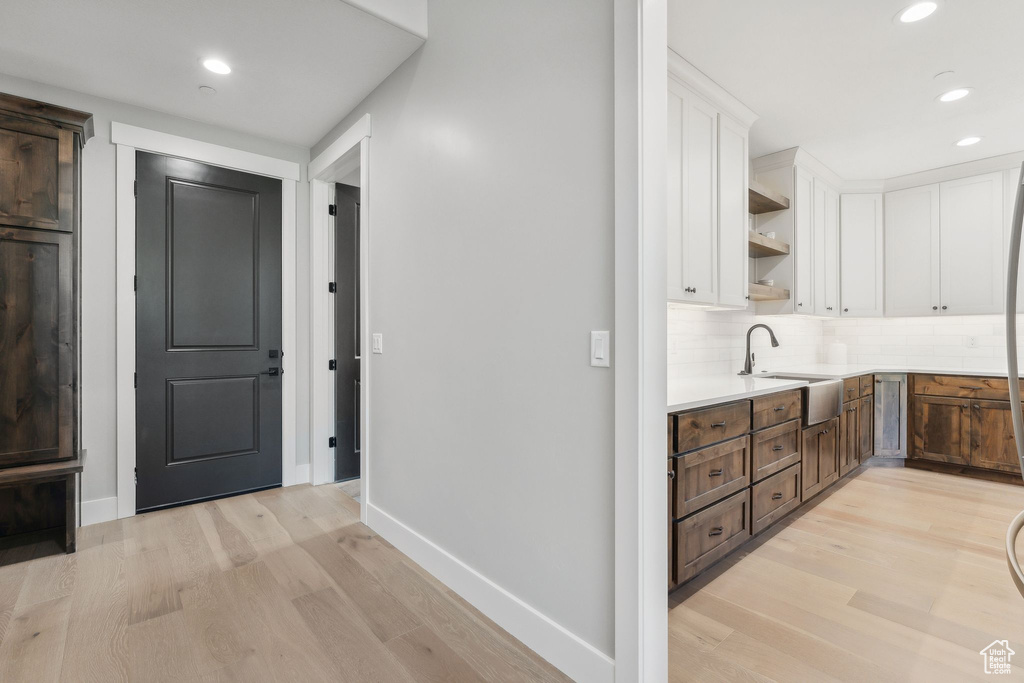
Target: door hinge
(135, 190)
(332, 442)
(332, 365)
(332, 287)
(135, 379)
(332, 209)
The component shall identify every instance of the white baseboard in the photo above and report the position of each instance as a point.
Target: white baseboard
(302, 474)
(568, 652)
(99, 510)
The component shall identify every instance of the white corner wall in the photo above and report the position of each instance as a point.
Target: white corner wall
(491, 252)
(98, 390)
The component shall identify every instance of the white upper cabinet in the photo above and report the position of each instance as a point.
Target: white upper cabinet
(802, 206)
(912, 251)
(861, 245)
(971, 245)
(826, 249)
(693, 197)
(733, 165)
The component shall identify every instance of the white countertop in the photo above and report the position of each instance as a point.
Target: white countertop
(698, 392)
(706, 391)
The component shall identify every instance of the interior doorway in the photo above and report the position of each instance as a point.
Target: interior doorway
(346, 331)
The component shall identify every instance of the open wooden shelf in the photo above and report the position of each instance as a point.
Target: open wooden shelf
(763, 200)
(765, 293)
(759, 246)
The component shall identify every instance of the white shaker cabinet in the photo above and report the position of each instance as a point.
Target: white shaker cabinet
(861, 255)
(802, 204)
(826, 249)
(692, 197)
(912, 251)
(971, 245)
(733, 165)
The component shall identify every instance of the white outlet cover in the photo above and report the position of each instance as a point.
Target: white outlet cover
(972, 342)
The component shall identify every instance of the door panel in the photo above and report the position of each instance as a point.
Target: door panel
(208, 331)
(346, 334)
(36, 175)
(992, 444)
(941, 429)
(810, 466)
(36, 333)
(865, 427)
(848, 435)
(861, 255)
(972, 244)
(828, 452)
(733, 162)
(803, 205)
(912, 251)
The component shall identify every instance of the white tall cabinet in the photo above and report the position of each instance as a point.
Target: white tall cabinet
(826, 249)
(944, 247)
(861, 255)
(708, 174)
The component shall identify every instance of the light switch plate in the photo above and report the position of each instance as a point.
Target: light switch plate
(378, 342)
(600, 349)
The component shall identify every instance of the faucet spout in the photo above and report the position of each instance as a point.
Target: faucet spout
(748, 363)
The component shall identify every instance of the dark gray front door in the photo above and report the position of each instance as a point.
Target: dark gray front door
(346, 332)
(208, 331)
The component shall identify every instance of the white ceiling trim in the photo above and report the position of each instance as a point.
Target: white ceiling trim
(689, 75)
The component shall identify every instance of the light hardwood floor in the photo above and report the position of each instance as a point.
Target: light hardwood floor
(897, 575)
(282, 585)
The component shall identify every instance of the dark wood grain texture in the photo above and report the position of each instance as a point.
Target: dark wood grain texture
(774, 449)
(776, 409)
(709, 535)
(774, 498)
(710, 474)
(706, 426)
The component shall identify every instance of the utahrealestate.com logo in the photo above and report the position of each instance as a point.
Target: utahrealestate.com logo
(997, 657)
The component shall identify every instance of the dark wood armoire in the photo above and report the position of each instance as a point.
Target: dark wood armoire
(40, 209)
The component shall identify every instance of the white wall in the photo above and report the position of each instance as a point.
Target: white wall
(491, 259)
(939, 341)
(99, 480)
(702, 343)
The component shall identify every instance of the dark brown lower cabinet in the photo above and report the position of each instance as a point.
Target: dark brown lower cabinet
(710, 474)
(711, 534)
(942, 429)
(992, 444)
(865, 428)
(820, 457)
(773, 498)
(671, 526)
(849, 437)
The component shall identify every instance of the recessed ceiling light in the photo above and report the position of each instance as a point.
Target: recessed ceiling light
(954, 95)
(216, 66)
(917, 12)
(966, 142)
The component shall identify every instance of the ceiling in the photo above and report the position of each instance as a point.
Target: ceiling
(856, 90)
(298, 66)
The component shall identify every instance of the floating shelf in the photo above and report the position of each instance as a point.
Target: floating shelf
(765, 293)
(763, 200)
(759, 246)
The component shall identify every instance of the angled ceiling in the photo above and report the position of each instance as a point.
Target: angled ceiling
(858, 91)
(298, 66)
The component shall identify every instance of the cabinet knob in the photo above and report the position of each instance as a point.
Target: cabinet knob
(671, 474)
(846, 310)
(935, 308)
(944, 307)
(977, 407)
(799, 304)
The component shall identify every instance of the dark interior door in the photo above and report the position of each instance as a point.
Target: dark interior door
(208, 331)
(346, 332)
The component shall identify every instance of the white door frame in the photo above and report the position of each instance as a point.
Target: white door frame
(641, 523)
(351, 150)
(130, 139)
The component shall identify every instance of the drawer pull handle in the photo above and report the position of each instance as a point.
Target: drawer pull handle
(970, 388)
(776, 448)
(671, 475)
(776, 496)
(715, 473)
(717, 531)
(778, 408)
(717, 424)
(977, 407)
(824, 431)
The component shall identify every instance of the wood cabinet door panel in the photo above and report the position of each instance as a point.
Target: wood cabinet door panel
(867, 384)
(941, 429)
(37, 179)
(865, 447)
(36, 338)
(810, 467)
(851, 388)
(987, 388)
(706, 426)
(775, 409)
(709, 535)
(992, 443)
(828, 452)
(773, 498)
(774, 449)
(848, 437)
(710, 474)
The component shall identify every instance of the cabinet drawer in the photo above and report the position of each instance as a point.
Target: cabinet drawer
(709, 535)
(776, 408)
(867, 385)
(698, 428)
(851, 388)
(774, 449)
(958, 386)
(710, 474)
(773, 498)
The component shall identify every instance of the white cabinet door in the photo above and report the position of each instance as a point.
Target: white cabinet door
(732, 213)
(830, 269)
(802, 205)
(861, 255)
(971, 239)
(912, 251)
(693, 201)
